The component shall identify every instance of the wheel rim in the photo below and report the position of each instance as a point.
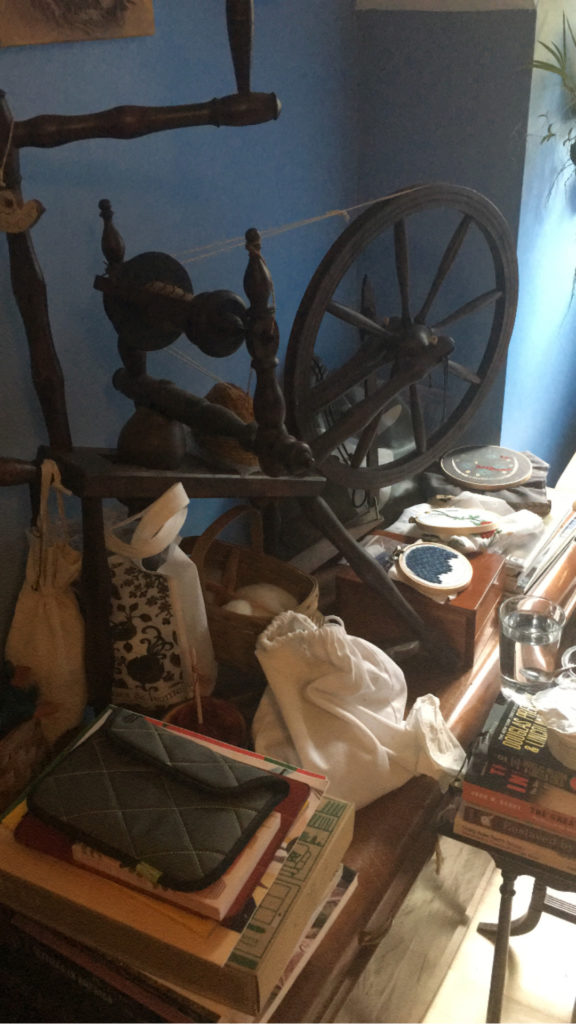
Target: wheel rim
(464, 282)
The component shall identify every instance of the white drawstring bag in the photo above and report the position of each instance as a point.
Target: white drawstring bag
(47, 629)
(335, 704)
(163, 652)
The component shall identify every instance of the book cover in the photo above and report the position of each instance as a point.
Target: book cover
(513, 735)
(337, 896)
(238, 969)
(112, 981)
(41, 984)
(516, 837)
(516, 795)
(215, 901)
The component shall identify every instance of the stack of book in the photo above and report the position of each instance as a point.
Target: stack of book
(526, 565)
(123, 939)
(516, 796)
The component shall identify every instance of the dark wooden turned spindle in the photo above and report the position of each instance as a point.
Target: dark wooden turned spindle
(262, 337)
(29, 290)
(17, 471)
(240, 23)
(112, 243)
(277, 450)
(130, 122)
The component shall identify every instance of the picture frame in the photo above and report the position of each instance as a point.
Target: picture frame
(29, 22)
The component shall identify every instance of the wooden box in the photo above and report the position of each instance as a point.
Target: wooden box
(462, 620)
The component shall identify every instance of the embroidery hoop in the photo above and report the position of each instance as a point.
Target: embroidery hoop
(421, 575)
(451, 521)
(477, 467)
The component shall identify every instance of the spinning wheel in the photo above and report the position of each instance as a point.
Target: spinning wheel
(431, 332)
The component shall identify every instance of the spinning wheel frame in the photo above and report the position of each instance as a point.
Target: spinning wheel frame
(392, 213)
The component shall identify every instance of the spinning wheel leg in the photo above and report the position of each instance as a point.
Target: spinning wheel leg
(372, 573)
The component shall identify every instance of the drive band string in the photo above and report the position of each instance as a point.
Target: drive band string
(203, 252)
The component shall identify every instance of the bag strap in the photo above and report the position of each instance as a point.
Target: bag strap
(156, 528)
(50, 479)
(204, 541)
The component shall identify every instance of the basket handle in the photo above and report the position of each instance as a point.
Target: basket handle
(203, 542)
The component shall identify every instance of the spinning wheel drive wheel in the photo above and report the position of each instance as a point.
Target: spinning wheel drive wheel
(411, 309)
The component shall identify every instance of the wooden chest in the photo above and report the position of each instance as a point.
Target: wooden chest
(462, 620)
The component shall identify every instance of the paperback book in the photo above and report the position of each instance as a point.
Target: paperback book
(339, 893)
(223, 898)
(516, 795)
(513, 736)
(516, 837)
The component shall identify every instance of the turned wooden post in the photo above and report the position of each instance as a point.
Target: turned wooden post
(240, 22)
(112, 243)
(277, 450)
(29, 290)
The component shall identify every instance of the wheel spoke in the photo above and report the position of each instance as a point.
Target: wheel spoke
(402, 267)
(360, 416)
(486, 299)
(364, 323)
(450, 253)
(368, 301)
(417, 415)
(365, 361)
(463, 372)
(365, 442)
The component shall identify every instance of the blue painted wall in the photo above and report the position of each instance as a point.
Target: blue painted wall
(444, 98)
(539, 408)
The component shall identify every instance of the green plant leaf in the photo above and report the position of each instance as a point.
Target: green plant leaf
(572, 36)
(556, 52)
(542, 65)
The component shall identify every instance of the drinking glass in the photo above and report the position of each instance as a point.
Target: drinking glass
(530, 632)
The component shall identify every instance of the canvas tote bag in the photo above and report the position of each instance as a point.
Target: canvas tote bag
(163, 652)
(47, 629)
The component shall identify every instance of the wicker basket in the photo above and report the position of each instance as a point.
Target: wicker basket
(223, 567)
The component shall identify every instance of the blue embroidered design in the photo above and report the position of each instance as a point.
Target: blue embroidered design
(430, 563)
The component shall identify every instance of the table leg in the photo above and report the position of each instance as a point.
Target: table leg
(498, 977)
(528, 921)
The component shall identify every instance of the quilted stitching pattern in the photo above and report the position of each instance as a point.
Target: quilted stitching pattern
(121, 792)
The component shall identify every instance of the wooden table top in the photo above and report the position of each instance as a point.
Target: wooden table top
(394, 836)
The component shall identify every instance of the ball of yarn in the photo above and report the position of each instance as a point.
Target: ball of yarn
(239, 607)
(267, 596)
(232, 397)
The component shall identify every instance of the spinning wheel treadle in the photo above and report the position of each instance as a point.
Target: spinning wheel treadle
(425, 261)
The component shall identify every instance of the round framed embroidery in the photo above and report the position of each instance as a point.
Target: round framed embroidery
(455, 522)
(487, 468)
(434, 567)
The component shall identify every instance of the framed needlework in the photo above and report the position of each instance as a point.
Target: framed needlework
(24, 22)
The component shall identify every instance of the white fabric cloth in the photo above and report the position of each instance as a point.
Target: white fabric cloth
(335, 704)
(516, 528)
